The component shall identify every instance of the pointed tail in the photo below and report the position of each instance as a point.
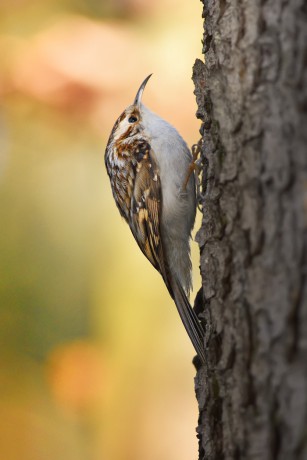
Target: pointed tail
(189, 319)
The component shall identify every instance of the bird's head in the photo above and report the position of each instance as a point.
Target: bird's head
(129, 122)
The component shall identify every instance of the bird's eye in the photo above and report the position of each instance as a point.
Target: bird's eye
(132, 119)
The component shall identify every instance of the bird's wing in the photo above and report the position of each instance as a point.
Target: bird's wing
(145, 212)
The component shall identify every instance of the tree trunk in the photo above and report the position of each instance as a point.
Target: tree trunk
(252, 99)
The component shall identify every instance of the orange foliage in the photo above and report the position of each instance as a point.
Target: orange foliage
(77, 375)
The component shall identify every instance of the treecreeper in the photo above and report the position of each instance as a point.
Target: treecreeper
(149, 166)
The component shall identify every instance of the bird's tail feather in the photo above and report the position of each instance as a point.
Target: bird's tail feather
(189, 319)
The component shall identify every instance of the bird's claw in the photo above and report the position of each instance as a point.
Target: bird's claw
(196, 165)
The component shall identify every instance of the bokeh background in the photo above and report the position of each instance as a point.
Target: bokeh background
(94, 362)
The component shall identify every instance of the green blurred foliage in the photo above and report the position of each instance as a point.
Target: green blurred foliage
(92, 350)
(44, 251)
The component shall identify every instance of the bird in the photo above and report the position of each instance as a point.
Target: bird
(153, 184)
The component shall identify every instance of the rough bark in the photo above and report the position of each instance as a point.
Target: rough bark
(252, 100)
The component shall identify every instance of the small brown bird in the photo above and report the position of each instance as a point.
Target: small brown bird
(147, 162)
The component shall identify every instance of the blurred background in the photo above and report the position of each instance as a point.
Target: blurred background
(93, 365)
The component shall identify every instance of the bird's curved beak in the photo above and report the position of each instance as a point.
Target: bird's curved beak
(139, 94)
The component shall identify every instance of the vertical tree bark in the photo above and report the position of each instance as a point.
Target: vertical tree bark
(252, 99)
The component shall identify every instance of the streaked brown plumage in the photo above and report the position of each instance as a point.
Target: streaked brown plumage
(147, 162)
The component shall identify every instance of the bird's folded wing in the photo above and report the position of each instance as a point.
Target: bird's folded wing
(146, 207)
